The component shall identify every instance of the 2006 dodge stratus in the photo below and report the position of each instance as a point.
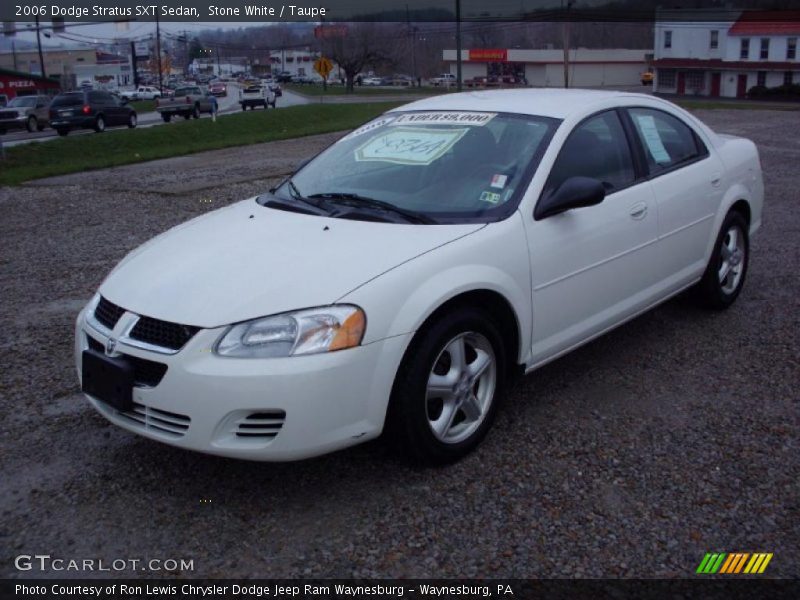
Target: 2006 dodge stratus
(394, 281)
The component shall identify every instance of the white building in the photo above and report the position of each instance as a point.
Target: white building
(725, 57)
(545, 68)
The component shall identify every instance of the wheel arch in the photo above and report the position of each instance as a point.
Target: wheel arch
(497, 308)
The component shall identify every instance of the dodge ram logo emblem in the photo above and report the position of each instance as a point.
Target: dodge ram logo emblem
(110, 345)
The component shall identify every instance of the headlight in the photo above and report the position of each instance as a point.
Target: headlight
(308, 331)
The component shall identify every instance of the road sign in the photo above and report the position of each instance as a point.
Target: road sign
(323, 66)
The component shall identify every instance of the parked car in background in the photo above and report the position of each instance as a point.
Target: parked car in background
(92, 109)
(218, 89)
(188, 102)
(3, 100)
(25, 112)
(445, 79)
(284, 77)
(372, 81)
(395, 287)
(256, 95)
(302, 79)
(143, 92)
(276, 89)
(647, 78)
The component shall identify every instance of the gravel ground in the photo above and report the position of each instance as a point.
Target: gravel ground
(675, 435)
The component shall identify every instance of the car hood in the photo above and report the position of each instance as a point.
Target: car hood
(247, 261)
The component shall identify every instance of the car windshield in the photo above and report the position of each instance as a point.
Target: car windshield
(449, 166)
(24, 102)
(68, 99)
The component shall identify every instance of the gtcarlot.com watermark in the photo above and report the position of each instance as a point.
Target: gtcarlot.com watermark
(48, 563)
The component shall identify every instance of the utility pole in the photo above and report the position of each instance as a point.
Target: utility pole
(39, 44)
(219, 68)
(133, 64)
(158, 52)
(458, 46)
(565, 43)
(413, 33)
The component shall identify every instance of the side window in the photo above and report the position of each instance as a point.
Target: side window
(596, 148)
(667, 141)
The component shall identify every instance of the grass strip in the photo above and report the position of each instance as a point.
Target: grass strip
(126, 146)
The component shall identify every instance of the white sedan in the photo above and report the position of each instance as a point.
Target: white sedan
(395, 281)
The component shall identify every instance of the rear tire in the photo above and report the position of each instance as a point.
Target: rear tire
(166, 118)
(196, 112)
(100, 124)
(448, 387)
(132, 121)
(31, 124)
(726, 271)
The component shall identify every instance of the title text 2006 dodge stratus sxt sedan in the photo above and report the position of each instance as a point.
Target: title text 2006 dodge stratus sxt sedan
(395, 280)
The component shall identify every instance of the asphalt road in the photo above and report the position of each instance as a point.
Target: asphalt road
(227, 105)
(673, 436)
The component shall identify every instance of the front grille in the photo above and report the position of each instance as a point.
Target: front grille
(108, 313)
(162, 333)
(261, 425)
(146, 373)
(152, 419)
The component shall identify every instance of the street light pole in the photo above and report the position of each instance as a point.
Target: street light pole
(39, 44)
(158, 53)
(458, 45)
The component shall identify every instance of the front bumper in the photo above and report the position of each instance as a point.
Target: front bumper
(308, 405)
(20, 122)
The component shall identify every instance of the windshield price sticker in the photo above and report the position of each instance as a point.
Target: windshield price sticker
(371, 126)
(409, 146)
(445, 118)
(647, 125)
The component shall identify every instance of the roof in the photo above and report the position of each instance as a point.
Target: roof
(760, 22)
(556, 103)
(718, 64)
(31, 76)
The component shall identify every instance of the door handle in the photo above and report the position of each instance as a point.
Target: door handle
(638, 211)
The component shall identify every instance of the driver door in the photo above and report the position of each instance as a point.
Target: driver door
(592, 267)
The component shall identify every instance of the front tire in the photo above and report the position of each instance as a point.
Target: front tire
(447, 389)
(132, 121)
(166, 117)
(725, 274)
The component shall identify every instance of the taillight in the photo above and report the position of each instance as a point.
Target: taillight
(87, 109)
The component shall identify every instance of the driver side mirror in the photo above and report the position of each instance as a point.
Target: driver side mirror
(575, 192)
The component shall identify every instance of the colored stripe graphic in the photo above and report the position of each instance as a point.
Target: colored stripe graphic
(734, 563)
(711, 563)
(758, 563)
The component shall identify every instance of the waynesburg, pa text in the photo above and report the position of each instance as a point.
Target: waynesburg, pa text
(153, 10)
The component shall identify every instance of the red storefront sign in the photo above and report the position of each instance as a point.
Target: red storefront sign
(488, 55)
(12, 84)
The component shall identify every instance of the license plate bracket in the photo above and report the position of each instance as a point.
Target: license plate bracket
(108, 379)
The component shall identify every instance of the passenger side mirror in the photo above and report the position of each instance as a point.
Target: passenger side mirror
(575, 192)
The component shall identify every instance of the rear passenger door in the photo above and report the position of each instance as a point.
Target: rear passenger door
(593, 267)
(686, 182)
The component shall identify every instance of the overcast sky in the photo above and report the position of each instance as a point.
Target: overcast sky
(107, 32)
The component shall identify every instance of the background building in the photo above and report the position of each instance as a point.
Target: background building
(726, 57)
(545, 68)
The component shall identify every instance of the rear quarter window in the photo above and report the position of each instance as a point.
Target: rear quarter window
(67, 100)
(666, 140)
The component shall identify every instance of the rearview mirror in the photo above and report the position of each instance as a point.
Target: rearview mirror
(575, 192)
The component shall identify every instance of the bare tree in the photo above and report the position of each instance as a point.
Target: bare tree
(364, 45)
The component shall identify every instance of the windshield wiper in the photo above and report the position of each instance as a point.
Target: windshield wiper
(358, 201)
(308, 206)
